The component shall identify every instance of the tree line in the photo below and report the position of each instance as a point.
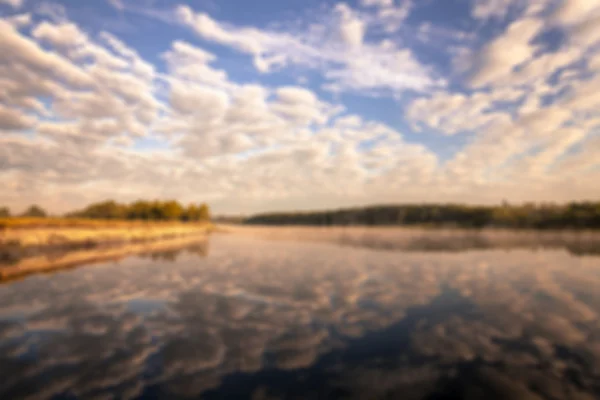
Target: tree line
(32, 211)
(156, 210)
(576, 215)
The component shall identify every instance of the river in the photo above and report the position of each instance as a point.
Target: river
(244, 317)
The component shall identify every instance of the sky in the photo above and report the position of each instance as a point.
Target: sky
(271, 105)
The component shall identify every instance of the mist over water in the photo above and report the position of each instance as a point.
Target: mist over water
(249, 318)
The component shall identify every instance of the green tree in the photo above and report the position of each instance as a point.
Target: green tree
(145, 210)
(190, 213)
(105, 210)
(138, 210)
(4, 212)
(172, 210)
(194, 212)
(536, 216)
(204, 212)
(35, 211)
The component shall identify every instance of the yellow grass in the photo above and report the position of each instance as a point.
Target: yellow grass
(25, 223)
(23, 233)
(65, 236)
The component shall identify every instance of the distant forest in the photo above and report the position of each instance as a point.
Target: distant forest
(140, 210)
(576, 215)
(581, 215)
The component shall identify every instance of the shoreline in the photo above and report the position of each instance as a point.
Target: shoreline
(52, 262)
(27, 250)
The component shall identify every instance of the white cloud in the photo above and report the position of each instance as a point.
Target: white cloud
(245, 39)
(118, 4)
(454, 113)
(584, 96)
(25, 51)
(377, 3)
(299, 105)
(573, 11)
(499, 9)
(16, 4)
(191, 63)
(556, 146)
(337, 47)
(85, 101)
(203, 103)
(587, 32)
(594, 63)
(351, 28)
(538, 70)
(19, 21)
(527, 109)
(14, 119)
(115, 88)
(59, 35)
(352, 32)
(498, 58)
(390, 19)
(485, 9)
(57, 13)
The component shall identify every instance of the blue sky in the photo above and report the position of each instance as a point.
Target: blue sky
(270, 105)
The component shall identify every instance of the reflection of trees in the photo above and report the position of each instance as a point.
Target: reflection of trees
(199, 248)
(434, 240)
(170, 255)
(277, 320)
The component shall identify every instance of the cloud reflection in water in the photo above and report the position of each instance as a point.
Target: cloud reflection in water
(262, 320)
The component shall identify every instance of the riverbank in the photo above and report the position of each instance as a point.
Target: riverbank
(31, 245)
(56, 260)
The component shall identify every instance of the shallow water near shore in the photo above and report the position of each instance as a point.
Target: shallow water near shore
(244, 317)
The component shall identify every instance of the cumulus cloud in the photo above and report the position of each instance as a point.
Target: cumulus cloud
(580, 19)
(299, 105)
(377, 3)
(379, 67)
(15, 4)
(454, 113)
(485, 9)
(351, 28)
(61, 35)
(80, 109)
(218, 117)
(528, 107)
(498, 58)
(12, 119)
(24, 51)
(19, 21)
(572, 11)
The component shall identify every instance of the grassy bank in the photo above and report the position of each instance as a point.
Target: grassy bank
(30, 223)
(30, 237)
(53, 261)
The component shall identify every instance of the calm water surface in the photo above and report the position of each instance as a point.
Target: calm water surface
(246, 318)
